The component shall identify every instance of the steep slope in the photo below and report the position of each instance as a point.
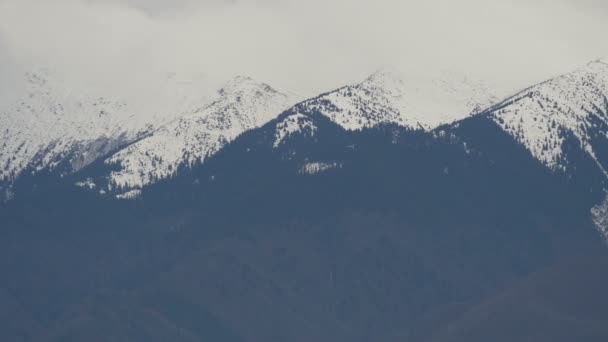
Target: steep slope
(567, 111)
(55, 124)
(51, 121)
(242, 104)
(388, 96)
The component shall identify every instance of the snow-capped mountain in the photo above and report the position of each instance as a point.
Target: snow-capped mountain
(574, 105)
(242, 104)
(389, 96)
(354, 216)
(53, 122)
(54, 125)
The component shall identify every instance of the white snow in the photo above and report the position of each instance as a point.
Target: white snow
(129, 195)
(388, 96)
(88, 184)
(572, 103)
(599, 215)
(241, 105)
(295, 123)
(315, 168)
(51, 121)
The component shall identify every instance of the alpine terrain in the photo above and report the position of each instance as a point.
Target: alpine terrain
(400, 208)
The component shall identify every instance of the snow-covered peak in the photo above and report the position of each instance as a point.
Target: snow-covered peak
(240, 105)
(543, 116)
(386, 79)
(48, 120)
(390, 96)
(241, 84)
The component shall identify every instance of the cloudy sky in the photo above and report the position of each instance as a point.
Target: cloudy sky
(304, 45)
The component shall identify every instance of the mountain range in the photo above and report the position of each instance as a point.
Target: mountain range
(396, 209)
(149, 147)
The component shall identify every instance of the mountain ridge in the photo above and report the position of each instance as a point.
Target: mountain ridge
(240, 105)
(141, 165)
(383, 233)
(542, 116)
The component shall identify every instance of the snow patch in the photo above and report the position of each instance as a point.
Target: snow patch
(88, 184)
(295, 123)
(599, 215)
(129, 195)
(314, 168)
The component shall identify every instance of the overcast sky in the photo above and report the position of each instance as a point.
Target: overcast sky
(304, 45)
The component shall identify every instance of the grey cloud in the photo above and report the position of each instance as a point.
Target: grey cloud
(160, 7)
(307, 46)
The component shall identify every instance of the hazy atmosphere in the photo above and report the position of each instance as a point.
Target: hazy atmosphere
(306, 46)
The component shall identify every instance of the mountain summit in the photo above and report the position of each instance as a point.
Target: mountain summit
(240, 105)
(53, 124)
(571, 107)
(389, 96)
